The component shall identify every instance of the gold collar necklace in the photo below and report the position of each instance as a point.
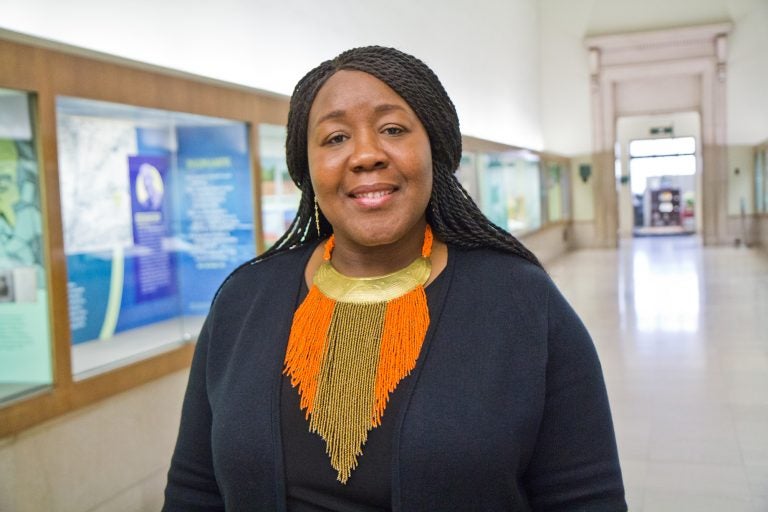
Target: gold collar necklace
(352, 341)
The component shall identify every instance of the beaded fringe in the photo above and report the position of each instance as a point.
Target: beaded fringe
(346, 359)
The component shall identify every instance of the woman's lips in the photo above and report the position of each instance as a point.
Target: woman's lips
(372, 196)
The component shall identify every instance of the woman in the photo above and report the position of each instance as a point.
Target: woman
(394, 350)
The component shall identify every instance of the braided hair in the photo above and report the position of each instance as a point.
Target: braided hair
(453, 215)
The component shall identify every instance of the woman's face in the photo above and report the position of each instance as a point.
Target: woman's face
(369, 161)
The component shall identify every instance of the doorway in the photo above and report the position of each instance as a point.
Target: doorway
(658, 170)
(657, 73)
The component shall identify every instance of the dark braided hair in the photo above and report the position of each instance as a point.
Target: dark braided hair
(453, 215)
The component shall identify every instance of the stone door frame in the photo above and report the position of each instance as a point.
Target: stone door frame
(696, 52)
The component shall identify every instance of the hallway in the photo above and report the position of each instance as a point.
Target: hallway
(682, 333)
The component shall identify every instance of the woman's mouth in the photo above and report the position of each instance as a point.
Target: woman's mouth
(372, 196)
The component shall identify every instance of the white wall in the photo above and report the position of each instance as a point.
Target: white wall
(486, 53)
(565, 112)
(748, 72)
(565, 90)
(516, 69)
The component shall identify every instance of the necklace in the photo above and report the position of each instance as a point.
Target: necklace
(352, 341)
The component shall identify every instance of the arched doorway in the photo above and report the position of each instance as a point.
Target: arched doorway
(653, 73)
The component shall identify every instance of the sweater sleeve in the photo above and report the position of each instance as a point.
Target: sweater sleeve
(575, 465)
(192, 483)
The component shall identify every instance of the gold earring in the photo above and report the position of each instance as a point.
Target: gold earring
(317, 219)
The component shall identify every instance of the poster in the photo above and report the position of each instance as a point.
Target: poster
(153, 272)
(25, 354)
(215, 210)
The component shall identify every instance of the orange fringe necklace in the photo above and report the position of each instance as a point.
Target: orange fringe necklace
(352, 341)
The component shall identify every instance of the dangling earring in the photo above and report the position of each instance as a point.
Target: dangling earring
(317, 218)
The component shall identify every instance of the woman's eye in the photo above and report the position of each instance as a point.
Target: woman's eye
(393, 130)
(335, 139)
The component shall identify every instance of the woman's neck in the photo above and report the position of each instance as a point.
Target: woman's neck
(361, 261)
(354, 260)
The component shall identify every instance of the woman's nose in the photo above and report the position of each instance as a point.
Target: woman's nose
(367, 153)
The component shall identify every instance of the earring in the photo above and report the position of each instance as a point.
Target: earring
(317, 219)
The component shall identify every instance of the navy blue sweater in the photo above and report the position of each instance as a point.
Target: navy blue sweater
(506, 409)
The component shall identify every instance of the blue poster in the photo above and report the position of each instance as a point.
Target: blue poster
(154, 274)
(215, 210)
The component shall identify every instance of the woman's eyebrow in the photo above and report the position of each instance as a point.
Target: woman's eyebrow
(387, 107)
(336, 114)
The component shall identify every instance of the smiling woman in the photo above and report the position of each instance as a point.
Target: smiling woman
(394, 350)
(371, 169)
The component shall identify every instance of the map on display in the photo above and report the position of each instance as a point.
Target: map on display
(93, 177)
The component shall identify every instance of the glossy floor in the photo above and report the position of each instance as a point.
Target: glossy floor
(682, 333)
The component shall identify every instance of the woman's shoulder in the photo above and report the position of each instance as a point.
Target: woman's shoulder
(494, 264)
(503, 277)
(270, 273)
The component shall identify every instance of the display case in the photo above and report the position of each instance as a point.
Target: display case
(510, 190)
(555, 178)
(279, 195)
(25, 350)
(127, 195)
(156, 210)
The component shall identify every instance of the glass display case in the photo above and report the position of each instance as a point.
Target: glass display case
(157, 209)
(555, 175)
(279, 195)
(510, 190)
(25, 347)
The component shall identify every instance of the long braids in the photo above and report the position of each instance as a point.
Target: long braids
(453, 215)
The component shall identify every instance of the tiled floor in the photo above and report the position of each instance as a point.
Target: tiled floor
(682, 333)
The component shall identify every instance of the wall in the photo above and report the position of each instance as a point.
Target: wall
(565, 112)
(486, 55)
(112, 456)
(583, 204)
(549, 243)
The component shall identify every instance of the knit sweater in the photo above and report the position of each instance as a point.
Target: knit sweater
(506, 409)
